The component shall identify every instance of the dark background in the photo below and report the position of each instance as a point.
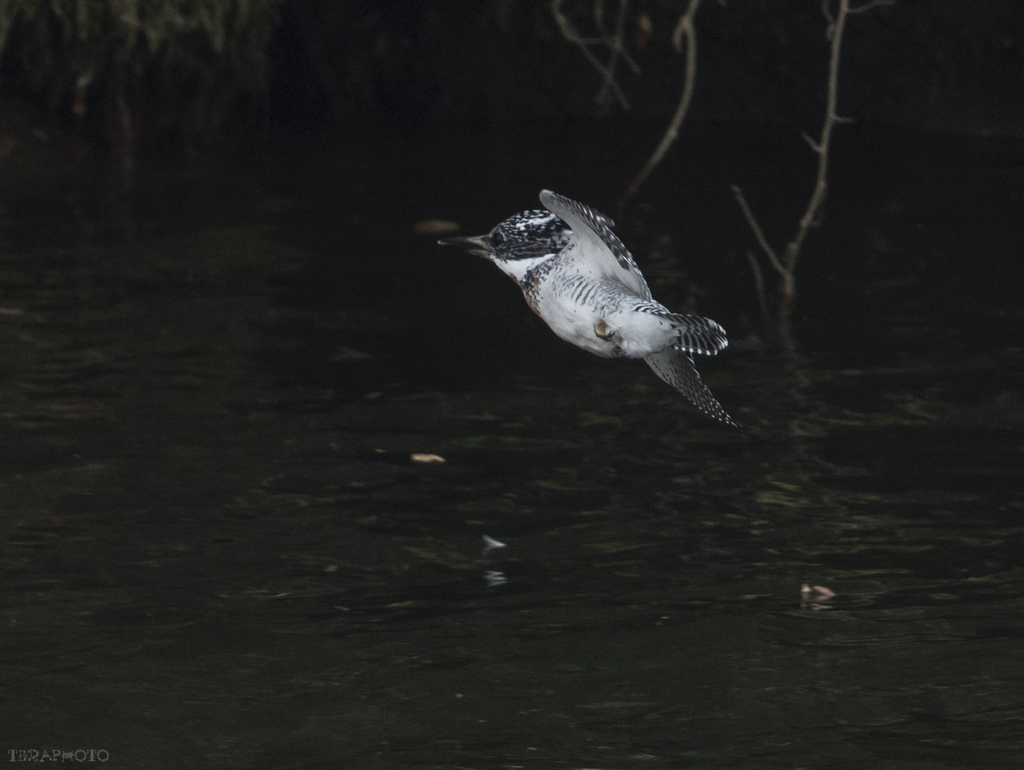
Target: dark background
(482, 67)
(474, 106)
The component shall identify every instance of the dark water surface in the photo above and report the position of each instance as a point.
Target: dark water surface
(216, 550)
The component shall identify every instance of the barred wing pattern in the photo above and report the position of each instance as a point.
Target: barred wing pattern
(593, 231)
(676, 368)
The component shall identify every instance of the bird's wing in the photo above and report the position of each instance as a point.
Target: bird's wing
(605, 253)
(695, 334)
(676, 368)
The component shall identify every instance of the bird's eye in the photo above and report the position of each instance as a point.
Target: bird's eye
(497, 240)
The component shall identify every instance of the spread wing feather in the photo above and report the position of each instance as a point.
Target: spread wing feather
(676, 368)
(604, 250)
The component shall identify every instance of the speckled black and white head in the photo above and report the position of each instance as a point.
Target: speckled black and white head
(529, 235)
(519, 243)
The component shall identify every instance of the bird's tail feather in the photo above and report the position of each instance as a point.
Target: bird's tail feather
(698, 334)
(694, 333)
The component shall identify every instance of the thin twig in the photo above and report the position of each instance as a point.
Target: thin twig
(571, 35)
(762, 298)
(685, 29)
(871, 4)
(617, 51)
(758, 233)
(599, 16)
(826, 11)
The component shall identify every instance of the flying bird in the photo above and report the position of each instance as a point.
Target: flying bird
(582, 281)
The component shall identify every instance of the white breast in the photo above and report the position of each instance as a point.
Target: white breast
(575, 323)
(573, 306)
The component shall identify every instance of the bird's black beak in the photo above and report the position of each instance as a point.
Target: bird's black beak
(474, 244)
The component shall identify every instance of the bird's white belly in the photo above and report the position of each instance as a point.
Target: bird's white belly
(629, 334)
(575, 323)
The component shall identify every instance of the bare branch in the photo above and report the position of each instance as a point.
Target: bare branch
(820, 183)
(786, 267)
(683, 29)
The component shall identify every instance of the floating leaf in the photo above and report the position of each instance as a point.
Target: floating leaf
(417, 457)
